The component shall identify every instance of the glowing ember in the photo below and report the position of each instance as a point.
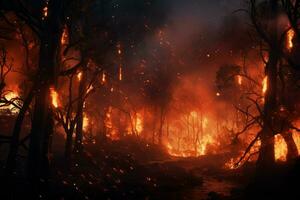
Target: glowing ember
(280, 148)
(54, 97)
(290, 37)
(45, 11)
(239, 79)
(85, 123)
(64, 36)
(79, 76)
(265, 85)
(103, 79)
(120, 73)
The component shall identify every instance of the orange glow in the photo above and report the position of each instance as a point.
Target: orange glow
(10, 96)
(280, 148)
(103, 78)
(234, 163)
(296, 137)
(120, 73)
(79, 76)
(45, 11)
(85, 123)
(54, 97)
(239, 79)
(90, 88)
(290, 37)
(199, 133)
(64, 36)
(139, 123)
(265, 85)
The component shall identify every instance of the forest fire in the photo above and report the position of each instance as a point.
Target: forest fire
(149, 99)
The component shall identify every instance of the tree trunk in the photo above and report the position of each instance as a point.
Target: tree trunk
(266, 158)
(42, 123)
(68, 148)
(79, 124)
(161, 124)
(13, 151)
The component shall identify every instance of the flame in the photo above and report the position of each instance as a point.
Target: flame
(64, 36)
(85, 123)
(139, 123)
(265, 85)
(296, 137)
(239, 79)
(111, 131)
(119, 51)
(290, 37)
(197, 135)
(54, 97)
(235, 162)
(10, 96)
(79, 76)
(280, 148)
(103, 79)
(90, 88)
(120, 73)
(45, 11)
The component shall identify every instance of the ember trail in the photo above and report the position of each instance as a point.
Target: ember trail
(156, 99)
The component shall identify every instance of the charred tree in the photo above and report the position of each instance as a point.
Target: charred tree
(42, 124)
(81, 98)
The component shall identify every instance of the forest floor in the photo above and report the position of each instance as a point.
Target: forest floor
(133, 169)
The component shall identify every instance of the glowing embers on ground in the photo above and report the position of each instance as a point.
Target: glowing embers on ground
(54, 97)
(191, 136)
(289, 39)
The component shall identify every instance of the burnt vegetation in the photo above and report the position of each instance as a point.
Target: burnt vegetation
(156, 99)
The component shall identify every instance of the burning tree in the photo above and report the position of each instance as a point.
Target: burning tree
(274, 103)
